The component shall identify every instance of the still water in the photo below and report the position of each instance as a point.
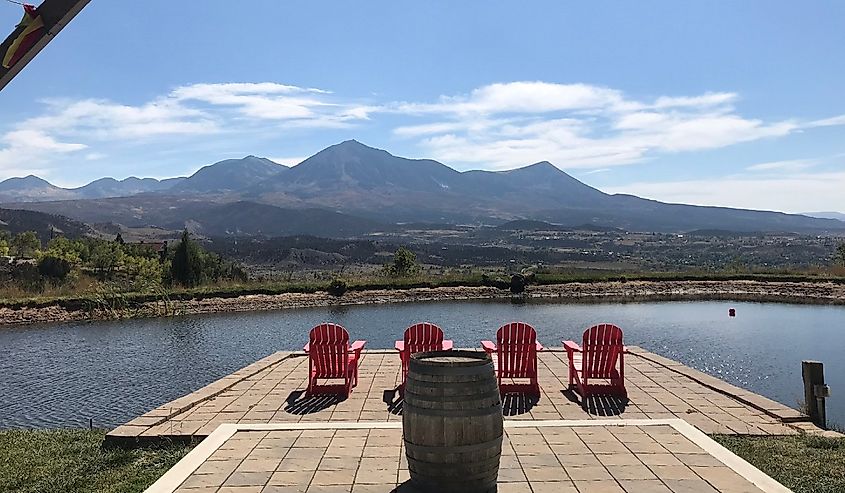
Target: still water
(63, 375)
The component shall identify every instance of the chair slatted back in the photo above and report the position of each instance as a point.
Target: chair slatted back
(602, 346)
(329, 350)
(423, 337)
(517, 350)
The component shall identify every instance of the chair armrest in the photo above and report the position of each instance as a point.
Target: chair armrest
(571, 347)
(307, 347)
(400, 346)
(488, 346)
(447, 345)
(539, 346)
(357, 346)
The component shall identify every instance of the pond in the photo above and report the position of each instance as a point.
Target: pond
(63, 375)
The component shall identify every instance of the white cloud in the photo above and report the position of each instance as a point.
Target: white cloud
(26, 151)
(707, 99)
(787, 165)
(270, 101)
(828, 122)
(105, 120)
(790, 193)
(520, 97)
(577, 125)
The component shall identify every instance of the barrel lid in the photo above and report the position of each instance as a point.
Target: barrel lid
(452, 358)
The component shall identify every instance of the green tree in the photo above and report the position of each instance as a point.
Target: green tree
(839, 257)
(72, 250)
(404, 263)
(143, 274)
(5, 241)
(187, 265)
(25, 244)
(106, 257)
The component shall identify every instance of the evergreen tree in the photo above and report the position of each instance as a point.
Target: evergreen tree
(187, 265)
(839, 258)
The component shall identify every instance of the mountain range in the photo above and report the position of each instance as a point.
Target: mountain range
(350, 188)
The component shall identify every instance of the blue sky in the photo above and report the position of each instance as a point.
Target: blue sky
(718, 102)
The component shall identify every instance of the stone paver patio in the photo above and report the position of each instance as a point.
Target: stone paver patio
(272, 391)
(610, 456)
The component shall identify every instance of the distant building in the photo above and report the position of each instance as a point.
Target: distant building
(159, 247)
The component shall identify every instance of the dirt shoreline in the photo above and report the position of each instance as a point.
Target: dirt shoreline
(615, 291)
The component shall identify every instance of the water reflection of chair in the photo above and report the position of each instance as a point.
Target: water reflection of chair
(330, 357)
(419, 338)
(516, 357)
(595, 360)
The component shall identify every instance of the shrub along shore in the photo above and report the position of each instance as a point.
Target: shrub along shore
(791, 288)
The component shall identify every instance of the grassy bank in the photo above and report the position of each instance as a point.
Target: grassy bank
(110, 298)
(804, 464)
(72, 461)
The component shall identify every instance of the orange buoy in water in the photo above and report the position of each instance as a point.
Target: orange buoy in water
(732, 312)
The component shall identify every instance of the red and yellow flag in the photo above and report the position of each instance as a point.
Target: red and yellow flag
(33, 30)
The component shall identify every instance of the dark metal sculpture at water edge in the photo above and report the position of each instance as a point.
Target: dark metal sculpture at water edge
(38, 27)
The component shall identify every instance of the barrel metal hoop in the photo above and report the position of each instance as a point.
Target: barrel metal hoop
(453, 449)
(473, 385)
(451, 413)
(453, 370)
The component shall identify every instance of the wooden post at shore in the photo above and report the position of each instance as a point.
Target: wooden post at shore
(815, 391)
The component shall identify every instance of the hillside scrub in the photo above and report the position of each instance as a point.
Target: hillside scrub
(89, 266)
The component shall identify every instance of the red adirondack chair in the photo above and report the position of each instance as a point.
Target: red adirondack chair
(419, 338)
(597, 360)
(330, 357)
(516, 356)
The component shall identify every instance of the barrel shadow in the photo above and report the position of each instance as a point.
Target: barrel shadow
(409, 487)
(406, 487)
(299, 403)
(599, 405)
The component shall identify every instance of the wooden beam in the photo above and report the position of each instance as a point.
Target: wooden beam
(814, 397)
(56, 15)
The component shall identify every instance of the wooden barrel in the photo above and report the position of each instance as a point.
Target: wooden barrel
(452, 422)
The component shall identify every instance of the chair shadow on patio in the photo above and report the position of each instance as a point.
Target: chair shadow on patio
(394, 401)
(299, 403)
(599, 405)
(516, 403)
